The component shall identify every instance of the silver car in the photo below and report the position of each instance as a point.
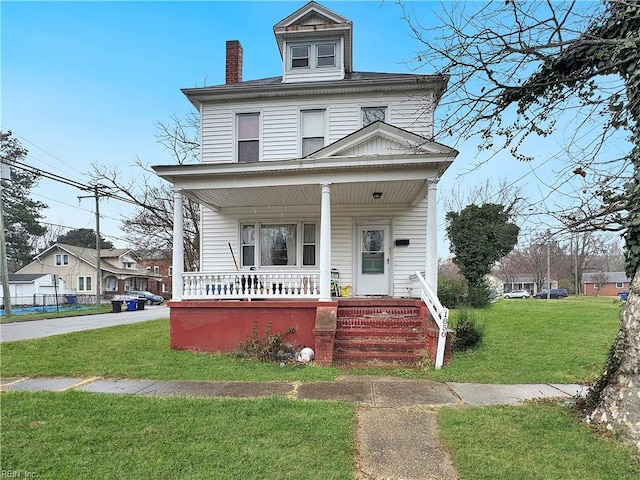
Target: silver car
(517, 294)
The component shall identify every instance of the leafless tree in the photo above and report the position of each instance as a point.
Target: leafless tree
(599, 279)
(150, 228)
(503, 193)
(519, 72)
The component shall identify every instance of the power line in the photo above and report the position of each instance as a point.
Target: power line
(48, 153)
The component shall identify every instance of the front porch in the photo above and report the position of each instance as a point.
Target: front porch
(218, 312)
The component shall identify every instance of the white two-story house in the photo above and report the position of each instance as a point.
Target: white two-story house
(316, 185)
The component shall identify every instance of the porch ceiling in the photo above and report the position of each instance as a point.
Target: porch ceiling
(406, 192)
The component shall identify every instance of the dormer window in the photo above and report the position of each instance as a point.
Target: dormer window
(300, 56)
(326, 55)
(314, 60)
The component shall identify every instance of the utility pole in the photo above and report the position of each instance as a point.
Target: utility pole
(4, 267)
(548, 271)
(98, 266)
(96, 195)
(575, 264)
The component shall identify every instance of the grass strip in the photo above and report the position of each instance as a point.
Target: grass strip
(139, 350)
(539, 440)
(538, 341)
(82, 435)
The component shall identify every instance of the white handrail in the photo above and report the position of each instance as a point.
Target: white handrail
(439, 313)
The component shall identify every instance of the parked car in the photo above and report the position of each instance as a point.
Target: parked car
(517, 294)
(150, 298)
(559, 293)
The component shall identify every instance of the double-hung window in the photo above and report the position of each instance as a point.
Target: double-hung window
(279, 244)
(309, 244)
(313, 127)
(61, 259)
(84, 284)
(373, 114)
(300, 56)
(313, 55)
(248, 135)
(248, 241)
(326, 55)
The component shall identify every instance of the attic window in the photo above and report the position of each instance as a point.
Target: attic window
(300, 56)
(326, 55)
(61, 259)
(373, 114)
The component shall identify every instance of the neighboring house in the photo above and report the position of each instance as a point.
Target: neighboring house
(76, 266)
(34, 289)
(160, 264)
(606, 284)
(524, 282)
(320, 176)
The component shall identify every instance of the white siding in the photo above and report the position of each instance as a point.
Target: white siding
(377, 146)
(217, 134)
(410, 224)
(221, 228)
(279, 120)
(279, 132)
(343, 120)
(414, 114)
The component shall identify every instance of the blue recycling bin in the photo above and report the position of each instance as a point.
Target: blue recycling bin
(72, 299)
(132, 305)
(623, 295)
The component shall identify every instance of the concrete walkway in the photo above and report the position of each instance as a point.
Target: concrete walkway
(396, 431)
(11, 332)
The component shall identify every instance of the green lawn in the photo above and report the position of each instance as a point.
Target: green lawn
(82, 435)
(526, 341)
(539, 341)
(539, 440)
(139, 350)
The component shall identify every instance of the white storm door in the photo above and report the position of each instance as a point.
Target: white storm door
(373, 260)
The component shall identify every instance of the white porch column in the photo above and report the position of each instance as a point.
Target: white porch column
(178, 246)
(431, 254)
(325, 243)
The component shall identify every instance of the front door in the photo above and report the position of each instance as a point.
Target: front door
(373, 260)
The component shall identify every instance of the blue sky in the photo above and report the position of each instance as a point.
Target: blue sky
(86, 82)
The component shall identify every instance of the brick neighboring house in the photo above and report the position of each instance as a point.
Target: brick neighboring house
(606, 284)
(160, 265)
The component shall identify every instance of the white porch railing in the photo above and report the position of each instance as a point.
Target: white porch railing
(439, 313)
(251, 285)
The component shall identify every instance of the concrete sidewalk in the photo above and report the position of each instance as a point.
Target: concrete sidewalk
(369, 391)
(11, 332)
(396, 430)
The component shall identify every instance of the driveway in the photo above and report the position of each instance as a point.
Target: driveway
(11, 332)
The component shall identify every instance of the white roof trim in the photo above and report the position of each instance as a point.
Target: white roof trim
(380, 129)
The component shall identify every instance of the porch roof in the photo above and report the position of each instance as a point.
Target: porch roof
(400, 174)
(295, 182)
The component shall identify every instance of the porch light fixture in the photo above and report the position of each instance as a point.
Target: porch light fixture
(377, 195)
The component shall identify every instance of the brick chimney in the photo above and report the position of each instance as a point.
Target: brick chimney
(234, 62)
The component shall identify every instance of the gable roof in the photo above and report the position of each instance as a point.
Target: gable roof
(89, 256)
(617, 277)
(386, 139)
(315, 21)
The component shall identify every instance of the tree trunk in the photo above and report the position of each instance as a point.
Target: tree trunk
(617, 400)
